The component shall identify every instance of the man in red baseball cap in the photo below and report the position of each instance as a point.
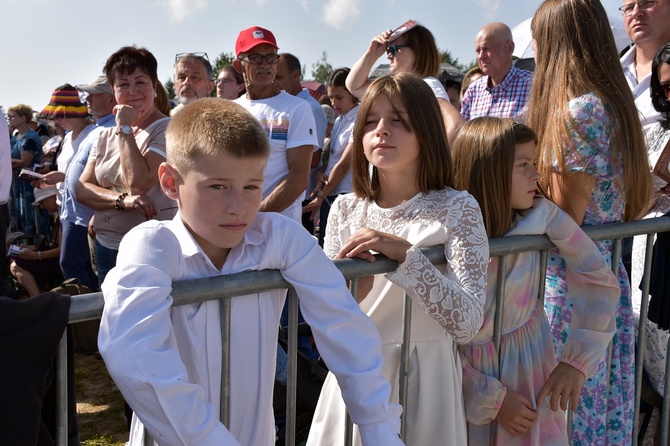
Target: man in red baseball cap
(287, 119)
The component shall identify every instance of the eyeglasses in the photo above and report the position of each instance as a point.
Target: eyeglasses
(197, 55)
(392, 50)
(628, 8)
(256, 59)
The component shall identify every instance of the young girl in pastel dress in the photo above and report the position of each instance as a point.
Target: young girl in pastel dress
(518, 397)
(403, 199)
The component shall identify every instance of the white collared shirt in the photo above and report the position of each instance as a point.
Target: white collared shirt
(167, 361)
(641, 91)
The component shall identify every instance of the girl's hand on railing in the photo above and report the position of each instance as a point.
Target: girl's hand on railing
(361, 243)
(564, 384)
(516, 413)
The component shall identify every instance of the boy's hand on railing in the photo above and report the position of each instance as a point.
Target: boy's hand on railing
(564, 384)
(516, 413)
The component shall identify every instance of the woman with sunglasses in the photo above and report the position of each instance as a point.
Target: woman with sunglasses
(413, 51)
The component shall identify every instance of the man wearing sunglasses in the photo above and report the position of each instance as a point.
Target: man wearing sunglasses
(504, 89)
(193, 78)
(648, 27)
(287, 119)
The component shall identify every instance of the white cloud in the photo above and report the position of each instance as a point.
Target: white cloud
(490, 6)
(337, 13)
(178, 10)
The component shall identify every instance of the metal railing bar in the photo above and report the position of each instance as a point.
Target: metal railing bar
(292, 384)
(225, 315)
(665, 419)
(89, 306)
(642, 333)
(61, 383)
(348, 424)
(405, 350)
(500, 295)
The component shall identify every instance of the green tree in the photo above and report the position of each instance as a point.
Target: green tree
(446, 57)
(169, 86)
(321, 70)
(224, 60)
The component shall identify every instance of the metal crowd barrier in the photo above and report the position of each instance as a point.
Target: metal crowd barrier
(89, 306)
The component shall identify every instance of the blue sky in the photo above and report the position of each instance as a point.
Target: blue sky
(46, 43)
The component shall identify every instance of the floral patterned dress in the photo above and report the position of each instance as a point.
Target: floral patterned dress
(447, 307)
(598, 420)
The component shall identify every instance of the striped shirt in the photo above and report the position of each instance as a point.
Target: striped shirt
(504, 101)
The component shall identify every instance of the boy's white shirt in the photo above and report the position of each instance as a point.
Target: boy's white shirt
(166, 361)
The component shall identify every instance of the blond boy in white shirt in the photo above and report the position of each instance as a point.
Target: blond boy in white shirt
(166, 360)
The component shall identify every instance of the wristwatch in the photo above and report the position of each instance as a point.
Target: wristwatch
(125, 129)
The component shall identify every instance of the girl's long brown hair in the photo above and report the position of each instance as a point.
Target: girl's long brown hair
(424, 119)
(483, 155)
(576, 55)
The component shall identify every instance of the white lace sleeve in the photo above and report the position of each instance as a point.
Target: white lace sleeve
(331, 241)
(456, 298)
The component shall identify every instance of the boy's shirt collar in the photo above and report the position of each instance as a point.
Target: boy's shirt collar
(253, 236)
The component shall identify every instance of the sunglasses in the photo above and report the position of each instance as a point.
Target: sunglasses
(257, 59)
(197, 55)
(392, 50)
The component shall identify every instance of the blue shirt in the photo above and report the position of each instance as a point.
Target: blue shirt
(29, 142)
(71, 210)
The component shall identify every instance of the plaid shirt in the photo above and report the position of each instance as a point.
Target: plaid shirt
(506, 100)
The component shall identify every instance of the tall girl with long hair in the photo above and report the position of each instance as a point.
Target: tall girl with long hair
(403, 199)
(518, 397)
(593, 164)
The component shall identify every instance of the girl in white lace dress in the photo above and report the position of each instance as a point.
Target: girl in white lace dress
(403, 200)
(516, 397)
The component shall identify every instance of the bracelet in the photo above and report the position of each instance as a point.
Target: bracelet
(39, 255)
(117, 203)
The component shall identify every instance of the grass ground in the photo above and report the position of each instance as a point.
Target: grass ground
(100, 410)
